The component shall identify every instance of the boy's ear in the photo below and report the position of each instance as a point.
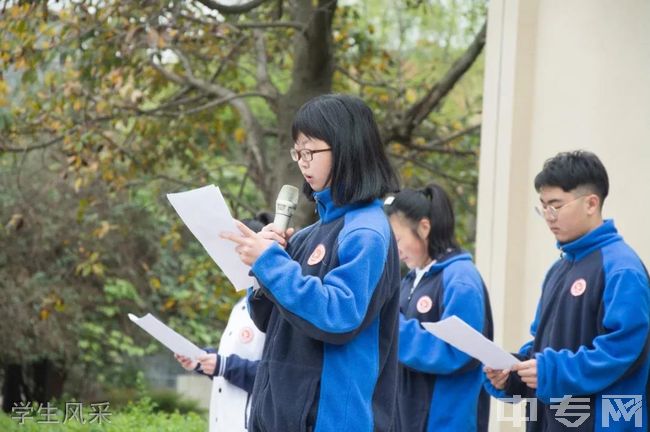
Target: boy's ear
(424, 228)
(593, 204)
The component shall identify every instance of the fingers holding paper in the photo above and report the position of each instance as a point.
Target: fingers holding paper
(498, 377)
(250, 245)
(527, 370)
(208, 363)
(187, 363)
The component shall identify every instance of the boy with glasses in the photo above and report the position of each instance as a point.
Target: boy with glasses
(590, 332)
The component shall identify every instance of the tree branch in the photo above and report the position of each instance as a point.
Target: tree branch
(417, 162)
(264, 82)
(222, 101)
(364, 83)
(250, 122)
(422, 108)
(438, 145)
(275, 24)
(231, 10)
(5, 148)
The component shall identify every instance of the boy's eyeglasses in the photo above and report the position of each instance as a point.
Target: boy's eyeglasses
(551, 212)
(305, 154)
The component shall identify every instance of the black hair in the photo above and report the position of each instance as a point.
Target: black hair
(571, 170)
(259, 221)
(361, 171)
(433, 203)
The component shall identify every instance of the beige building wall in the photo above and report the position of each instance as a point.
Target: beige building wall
(560, 75)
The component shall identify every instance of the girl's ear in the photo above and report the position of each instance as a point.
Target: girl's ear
(424, 228)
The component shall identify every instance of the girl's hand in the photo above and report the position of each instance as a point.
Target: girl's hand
(281, 237)
(250, 245)
(208, 363)
(187, 363)
(498, 378)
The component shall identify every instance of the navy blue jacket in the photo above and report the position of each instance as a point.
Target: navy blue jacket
(238, 371)
(590, 336)
(329, 306)
(441, 387)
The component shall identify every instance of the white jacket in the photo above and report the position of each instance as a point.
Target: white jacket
(230, 405)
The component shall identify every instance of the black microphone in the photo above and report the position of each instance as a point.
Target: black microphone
(285, 206)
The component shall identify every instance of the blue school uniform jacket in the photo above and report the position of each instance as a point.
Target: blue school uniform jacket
(441, 387)
(590, 339)
(329, 308)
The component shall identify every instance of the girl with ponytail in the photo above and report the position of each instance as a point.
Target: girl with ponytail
(440, 388)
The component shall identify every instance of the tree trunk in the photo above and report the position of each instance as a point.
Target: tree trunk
(313, 69)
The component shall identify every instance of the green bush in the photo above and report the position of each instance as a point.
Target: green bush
(170, 401)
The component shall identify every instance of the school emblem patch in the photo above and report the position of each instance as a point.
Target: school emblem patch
(424, 304)
(246, 335)
(317, 255)
(578, 288)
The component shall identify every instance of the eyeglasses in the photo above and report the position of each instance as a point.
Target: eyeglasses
(551, 212)
(305, 154)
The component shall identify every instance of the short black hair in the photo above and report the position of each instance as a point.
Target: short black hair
(576, 169)
(361, 171)
(258, 222)
(433, 203)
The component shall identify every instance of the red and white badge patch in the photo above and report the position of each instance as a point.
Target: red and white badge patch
(246, 335)
(424, 304)
(578, 288)
(317, 255)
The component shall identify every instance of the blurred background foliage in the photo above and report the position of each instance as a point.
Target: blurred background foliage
(106, 106)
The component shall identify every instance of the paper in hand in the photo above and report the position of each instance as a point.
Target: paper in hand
(166, 336)
(206, 214)
(462, 336)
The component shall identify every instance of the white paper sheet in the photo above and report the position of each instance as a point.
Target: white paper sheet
(206, 214)
(462, 336)
(166, 336)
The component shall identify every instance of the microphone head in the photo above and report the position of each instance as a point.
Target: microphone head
(289, 193)
(285, 205)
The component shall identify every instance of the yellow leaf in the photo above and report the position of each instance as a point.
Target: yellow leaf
(43, 314)
(21, 63)
(76, 106)
(15, 12)
(411, 96)
(240, 135)
(77, 184)
(59, 306)
(170, 303)
(155, 283)
(101, 106)
(98, 269)
(103, 229)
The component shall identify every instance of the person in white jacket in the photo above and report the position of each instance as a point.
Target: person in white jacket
(233, 367)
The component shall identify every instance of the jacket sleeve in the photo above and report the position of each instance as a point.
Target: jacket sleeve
(589, 370)
(424, 352)
(259, 308)
(238, 371)
(333, 309)
(514, 385)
